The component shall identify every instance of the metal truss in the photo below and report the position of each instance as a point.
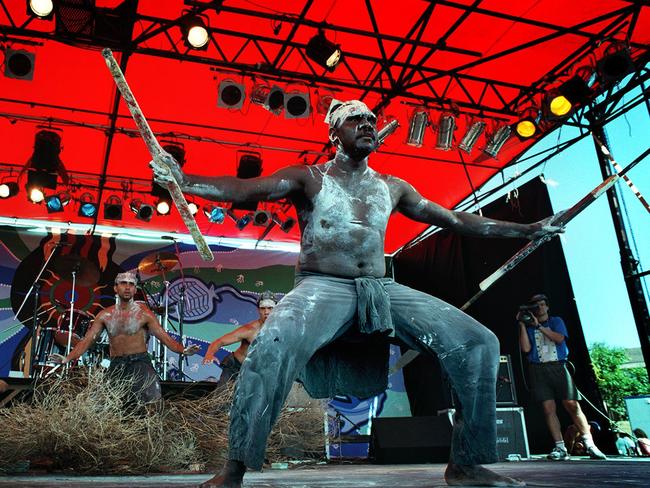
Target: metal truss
(414, 79)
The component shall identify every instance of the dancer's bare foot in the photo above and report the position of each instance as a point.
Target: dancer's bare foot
(461, 475)
(231, 476)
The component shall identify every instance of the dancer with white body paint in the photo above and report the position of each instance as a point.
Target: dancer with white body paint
(129, 324)
(343, 208)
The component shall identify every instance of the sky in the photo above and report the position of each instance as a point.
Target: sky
(589, 243)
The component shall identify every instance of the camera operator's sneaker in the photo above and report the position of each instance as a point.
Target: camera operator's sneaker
(559, 454)
(594, 453)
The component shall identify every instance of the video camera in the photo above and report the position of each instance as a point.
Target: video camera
(527, 314)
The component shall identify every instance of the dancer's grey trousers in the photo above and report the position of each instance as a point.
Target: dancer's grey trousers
(318, 311)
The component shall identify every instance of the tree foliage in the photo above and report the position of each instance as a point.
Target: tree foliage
(616, 383)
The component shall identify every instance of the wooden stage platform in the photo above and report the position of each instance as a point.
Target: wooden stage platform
(578, 473)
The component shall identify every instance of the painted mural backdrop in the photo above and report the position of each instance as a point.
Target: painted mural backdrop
(218, 297)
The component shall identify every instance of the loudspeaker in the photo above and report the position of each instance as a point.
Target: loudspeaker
(506, 393)
(512, 440)
(410, 440)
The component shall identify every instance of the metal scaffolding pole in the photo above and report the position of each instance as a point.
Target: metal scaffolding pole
(629, 264)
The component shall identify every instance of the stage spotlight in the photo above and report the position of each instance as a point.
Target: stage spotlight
(261, 218)
(37, 180)
(244, 221)
(615, 65)
(143, 211)
(526, 128)
(231, 94)
(286, 225)
(417, 125)
(163, 207)
(215, 213)
(87, 206)
(19, 64)
(55, 203)
(260, 93)
(8, 189)
(43, 9)
(194, 208)
(195, 32)
(296, 105)
(113, 208)
(497, 140)
(471, 136)
(560, 103)
(324, 52)
(36, 195)
(446, 127)
(275, 101)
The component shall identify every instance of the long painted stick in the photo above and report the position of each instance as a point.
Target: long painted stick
(561, 218)
(618, 169)
(157, 153)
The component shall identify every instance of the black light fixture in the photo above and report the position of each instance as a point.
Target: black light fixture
(260, 92)
(275, 100)
(215, 213)
(240, 222)
(616, 64)
(8, 189)
(446, 127)
(87, 206)
(471, 136)
(143, 211)
(296, 105)
(44, 165)
(417, 125)
(324, 52)
(113, 208)
(262, 218)
(195, 31)
(249, 166)
(231, 94)
(498, 139)
(560, 103)
(526, 127)
(19, 64)
(43, 9)
(55, 203)
(244, 221)
(285, 224)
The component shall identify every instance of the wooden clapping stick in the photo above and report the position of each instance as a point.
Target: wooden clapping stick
(157, 153)
(559, 219)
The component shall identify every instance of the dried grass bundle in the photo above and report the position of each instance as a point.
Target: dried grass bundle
(85, 424)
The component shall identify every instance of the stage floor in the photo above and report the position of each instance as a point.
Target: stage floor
(623, 472)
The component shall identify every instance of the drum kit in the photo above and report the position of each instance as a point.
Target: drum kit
(66, 325)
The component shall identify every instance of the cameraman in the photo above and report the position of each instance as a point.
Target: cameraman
(543, 339)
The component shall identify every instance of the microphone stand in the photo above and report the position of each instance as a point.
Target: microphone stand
(181, 309)
(73, 299)
(36, 286)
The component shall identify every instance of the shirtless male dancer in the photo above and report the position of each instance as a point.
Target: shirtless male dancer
(343, 208)
(128, 324)
(245, 334)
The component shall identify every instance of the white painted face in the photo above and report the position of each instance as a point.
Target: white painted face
(125, 290)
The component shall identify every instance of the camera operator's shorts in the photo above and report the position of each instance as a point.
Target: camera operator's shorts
(552, 381)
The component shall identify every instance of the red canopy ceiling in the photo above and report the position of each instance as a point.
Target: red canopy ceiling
(485, 60)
